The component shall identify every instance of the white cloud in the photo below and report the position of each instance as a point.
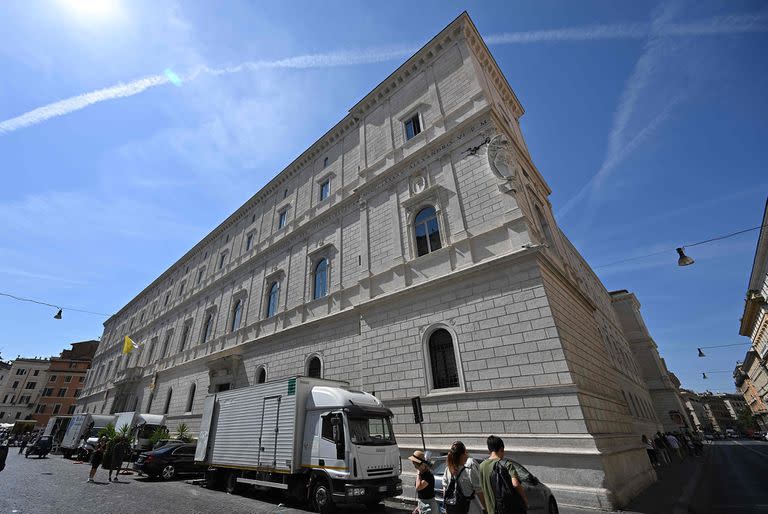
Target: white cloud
(723, 25)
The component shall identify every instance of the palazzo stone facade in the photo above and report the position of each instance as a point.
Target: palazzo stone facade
(410, 251)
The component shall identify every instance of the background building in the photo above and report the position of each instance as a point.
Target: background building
(663, 386)
(700, 419)
(752, 375)
(24, 382)
(410, 251)
(66, 378)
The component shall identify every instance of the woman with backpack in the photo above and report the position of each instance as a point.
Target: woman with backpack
(425, 483)
(461, 483)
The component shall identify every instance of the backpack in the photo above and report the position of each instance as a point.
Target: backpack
(506, 498)
(454, 499)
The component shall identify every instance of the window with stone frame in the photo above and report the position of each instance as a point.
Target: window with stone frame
(207, 332)
(261, 375)
(426, 231)
(237, 314)
(273, 299)
(168, 401)
(185, 335)
(320, 276)
(412, 126)
(282, 219)
(442, 360)
(314, 367)
(191, 397)
(325, 189)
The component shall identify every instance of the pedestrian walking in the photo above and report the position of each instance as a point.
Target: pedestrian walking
(117, 457)
(96, 456)
(461, 483)
(23, 443)
(674, 444)
(502, 489)
(651, 451)
(3, 454)
(425, 483)
(662, 448)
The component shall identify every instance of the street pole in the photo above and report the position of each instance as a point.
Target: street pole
(418, 417)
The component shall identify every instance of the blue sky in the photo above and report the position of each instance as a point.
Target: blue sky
(648, 121)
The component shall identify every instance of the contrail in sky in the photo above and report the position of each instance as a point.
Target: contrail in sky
(714, 26)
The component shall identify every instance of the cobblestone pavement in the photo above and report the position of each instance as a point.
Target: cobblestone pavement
(56, 485)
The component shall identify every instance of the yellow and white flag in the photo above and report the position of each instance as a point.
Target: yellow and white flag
(129, 345)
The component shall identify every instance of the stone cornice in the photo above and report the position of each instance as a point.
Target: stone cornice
(421, 58)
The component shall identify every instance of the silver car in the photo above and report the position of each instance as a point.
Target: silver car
(540, 497)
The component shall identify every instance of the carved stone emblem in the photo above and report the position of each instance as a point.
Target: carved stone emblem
(502, 158)
(418, 183)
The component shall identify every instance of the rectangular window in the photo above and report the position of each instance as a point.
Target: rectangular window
(199, 276)
(5, 398)
(68, 379)
(167, 297)
(248, 242)
(30, 385)
(81, 379)
(282, 219)
(52, 379)
(62, 393)
(56, 408)
(181, 288)
(325, 162)
(15, 385)
(222, 258)
(71, 409)
(412, 126)
(37, 371)
(77, 393)
(21, 371)
(325, 189)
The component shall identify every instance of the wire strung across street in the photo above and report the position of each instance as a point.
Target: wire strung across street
(660, 252)
(19, 298)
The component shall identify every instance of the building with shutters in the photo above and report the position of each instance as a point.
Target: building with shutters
(21, 388)
(410, 251)
(65, 381)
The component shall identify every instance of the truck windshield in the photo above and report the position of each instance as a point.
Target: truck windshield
(373, 430)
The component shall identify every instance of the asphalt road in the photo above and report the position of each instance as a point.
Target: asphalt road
(55, 485)
(733, 479)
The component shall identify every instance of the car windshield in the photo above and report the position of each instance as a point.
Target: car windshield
(373, 430)
(94, 432)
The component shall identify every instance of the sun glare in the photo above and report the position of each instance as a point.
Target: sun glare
(92, 9)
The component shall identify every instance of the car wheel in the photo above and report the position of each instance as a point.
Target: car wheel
(231, 486)
(552, 506)
(168, 472)
(322, 499)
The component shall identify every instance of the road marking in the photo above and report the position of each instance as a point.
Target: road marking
(751, 449)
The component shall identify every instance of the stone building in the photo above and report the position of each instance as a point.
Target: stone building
(664, 387)
(66, 378)
(752, 379)
(19, 393)
(410, 251)
(697, 413)
(5, 368)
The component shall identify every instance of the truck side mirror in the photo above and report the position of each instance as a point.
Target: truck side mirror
(338, 436)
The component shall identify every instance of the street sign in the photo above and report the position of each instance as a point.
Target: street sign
(418, 415)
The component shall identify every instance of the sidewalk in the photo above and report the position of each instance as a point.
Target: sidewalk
(673, 491)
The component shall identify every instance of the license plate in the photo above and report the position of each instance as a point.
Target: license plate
(382, 489)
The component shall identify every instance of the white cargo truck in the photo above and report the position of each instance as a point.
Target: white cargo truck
(318, 440)
(83, 427)
(141, 426)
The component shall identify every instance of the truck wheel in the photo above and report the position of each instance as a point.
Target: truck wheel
(168, 472)
(231, 486)
(322, 499)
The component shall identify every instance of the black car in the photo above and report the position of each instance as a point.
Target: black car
(168, 461)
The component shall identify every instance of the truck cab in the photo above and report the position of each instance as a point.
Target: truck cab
(349, 442)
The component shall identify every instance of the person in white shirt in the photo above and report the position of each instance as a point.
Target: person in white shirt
(461, 465)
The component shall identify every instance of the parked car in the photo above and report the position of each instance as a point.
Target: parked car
(41, 447)
(169, 461)
(540, 497)
(758, 435)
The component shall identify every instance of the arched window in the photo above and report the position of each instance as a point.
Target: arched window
(314, 367)
(273, 299)
(237, 313)
(191, 397)
(207, 327)
(321, 279)
(261, 375)
(168, 401)
(442, 360)
(545, 226)
(426, 231)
